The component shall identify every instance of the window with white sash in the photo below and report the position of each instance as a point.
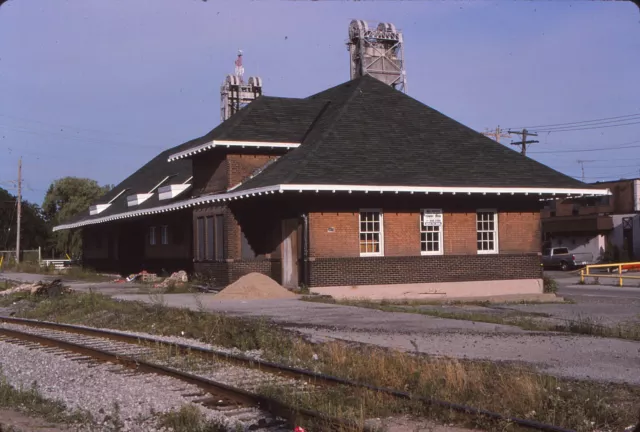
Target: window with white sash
(371, 233)
(431, 222)
(487, 231)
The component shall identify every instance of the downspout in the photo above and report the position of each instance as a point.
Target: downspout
(305, 249)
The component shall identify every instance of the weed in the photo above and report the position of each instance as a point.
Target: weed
(30, 401)
(549, 285)
(508, 389)
(189, 418)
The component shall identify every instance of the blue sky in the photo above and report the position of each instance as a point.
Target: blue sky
(95, 89)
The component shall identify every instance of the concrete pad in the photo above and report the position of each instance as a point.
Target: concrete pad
(435, 291)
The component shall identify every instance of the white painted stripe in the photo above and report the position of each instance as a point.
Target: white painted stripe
(214, 143)
(333, 188)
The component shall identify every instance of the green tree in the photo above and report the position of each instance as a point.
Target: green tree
(68, 197)
(34, 230)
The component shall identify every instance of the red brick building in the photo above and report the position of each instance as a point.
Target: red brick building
(356, 191)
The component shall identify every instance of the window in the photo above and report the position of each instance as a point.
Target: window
(164, 235)
(200, 238)
(487, 232)
(371, 236)
(210, 238)
(431, 232)
(220, 236)
(152, 235)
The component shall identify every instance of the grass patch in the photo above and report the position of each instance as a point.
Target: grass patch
(5, 285)
(504, 388)
(189, 418)
(30, 401)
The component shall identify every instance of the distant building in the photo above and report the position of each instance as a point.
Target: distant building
(608, 227)
(357, 191)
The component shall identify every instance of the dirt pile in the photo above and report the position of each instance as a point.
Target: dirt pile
(254, 286)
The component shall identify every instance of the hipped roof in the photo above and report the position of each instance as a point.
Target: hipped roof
(359, 135)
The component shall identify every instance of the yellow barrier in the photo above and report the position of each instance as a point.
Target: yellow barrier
(586, 271)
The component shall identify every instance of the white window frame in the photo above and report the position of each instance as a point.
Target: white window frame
(440, 231)
(380, 233)
(496, 247)
(164, 234)
(152, 236)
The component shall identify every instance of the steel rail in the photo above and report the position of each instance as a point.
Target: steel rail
(316, 378)
(277, 408)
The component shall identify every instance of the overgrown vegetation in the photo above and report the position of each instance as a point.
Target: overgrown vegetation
(505, 388)
(30, 401)
(549, 285)
(189, 418)
(5, 285)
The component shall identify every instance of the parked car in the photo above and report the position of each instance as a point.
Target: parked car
(561, 258)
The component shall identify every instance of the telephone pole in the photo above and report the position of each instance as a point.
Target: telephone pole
(582, 162)
(496, 134)
(19, 210)
(524, 142)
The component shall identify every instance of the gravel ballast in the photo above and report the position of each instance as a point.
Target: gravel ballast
(98, 387)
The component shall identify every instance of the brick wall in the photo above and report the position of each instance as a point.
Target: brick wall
(459, 233)
(422, 269)
(222, 273)
(519, 232)
(336, 234)
(210, 173)
(241, 166)
(401, 233)
(333, 235)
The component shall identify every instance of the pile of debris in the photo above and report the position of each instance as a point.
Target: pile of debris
(42, 288)
(175, 278)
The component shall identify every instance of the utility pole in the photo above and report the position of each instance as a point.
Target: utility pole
(496, 134)
(582, 162)
(524, 141)
(19, 210)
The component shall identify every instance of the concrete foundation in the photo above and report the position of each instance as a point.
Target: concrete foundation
(435, 291)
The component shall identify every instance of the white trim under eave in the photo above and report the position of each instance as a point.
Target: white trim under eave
(223, 143)
(444, 189)
(209, 199)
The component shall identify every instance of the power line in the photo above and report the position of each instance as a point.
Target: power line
(593, 149)
(590, 124)
(98, 141)
(57, 125)
(578, 122)
(587, 128)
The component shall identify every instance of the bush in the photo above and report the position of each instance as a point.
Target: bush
(549, 285)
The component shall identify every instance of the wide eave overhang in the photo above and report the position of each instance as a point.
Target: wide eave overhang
(541, 193)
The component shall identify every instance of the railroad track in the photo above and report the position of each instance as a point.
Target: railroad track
(231, 386)
(226, 389)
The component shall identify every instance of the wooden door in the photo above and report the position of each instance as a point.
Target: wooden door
(289, 253)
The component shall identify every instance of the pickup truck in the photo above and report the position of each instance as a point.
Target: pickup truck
(561, 258)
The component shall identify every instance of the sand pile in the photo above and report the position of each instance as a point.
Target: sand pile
(252, 287)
